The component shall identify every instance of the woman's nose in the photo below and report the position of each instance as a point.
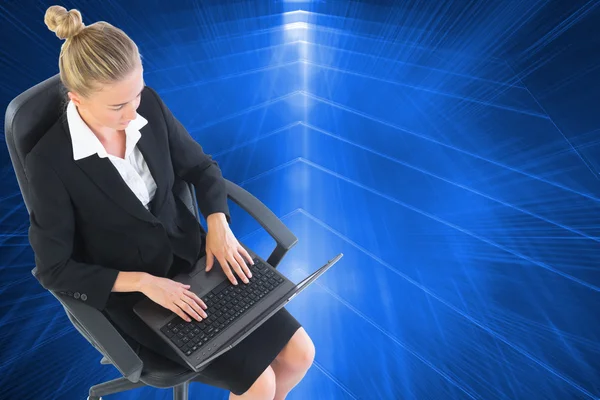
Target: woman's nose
(130, 113)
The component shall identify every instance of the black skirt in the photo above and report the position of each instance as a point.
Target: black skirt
(236, 370)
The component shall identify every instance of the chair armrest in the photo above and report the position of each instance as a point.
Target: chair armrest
(266, 218)
(98, 330)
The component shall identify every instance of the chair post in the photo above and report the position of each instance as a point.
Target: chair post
(112, 387)
(180, 392)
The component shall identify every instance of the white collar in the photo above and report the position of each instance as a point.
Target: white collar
(86, 143)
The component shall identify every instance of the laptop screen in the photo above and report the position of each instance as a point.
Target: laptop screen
(318, 272)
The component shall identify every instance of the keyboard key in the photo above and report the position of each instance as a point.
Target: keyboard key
(221, 287)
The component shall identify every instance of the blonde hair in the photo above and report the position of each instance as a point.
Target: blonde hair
(91, 55)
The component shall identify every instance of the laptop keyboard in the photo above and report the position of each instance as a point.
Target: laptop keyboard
(226, 303)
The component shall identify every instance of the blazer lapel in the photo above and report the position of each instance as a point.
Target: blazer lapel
(107, 178)
(104, 174)
(149, 149)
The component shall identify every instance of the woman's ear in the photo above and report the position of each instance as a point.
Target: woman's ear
(74, 98)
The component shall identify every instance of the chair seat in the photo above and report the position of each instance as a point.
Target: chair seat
(159, 371)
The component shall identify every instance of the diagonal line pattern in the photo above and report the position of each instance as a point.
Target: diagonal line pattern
(596, 174)
(467, 188)
(451, 306)
(432, 140)
(451, 225)
(412, 64)
(437, 92)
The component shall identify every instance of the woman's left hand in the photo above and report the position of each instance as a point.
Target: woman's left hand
(222, 244)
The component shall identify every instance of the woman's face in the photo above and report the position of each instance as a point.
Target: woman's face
(114, 106)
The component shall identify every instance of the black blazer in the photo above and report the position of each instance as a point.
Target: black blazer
(87, 225)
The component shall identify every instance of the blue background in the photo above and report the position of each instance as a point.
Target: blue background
(450, 150)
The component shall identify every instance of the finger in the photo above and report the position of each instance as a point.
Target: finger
(188, 309)
(209, 260)
(194, 303)
(227, 270)
(195, 306)
(245, 268)
(237, 268)
(200, 301)
(246, 255)
(175, 308)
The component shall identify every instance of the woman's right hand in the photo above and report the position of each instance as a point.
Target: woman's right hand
(174, 296)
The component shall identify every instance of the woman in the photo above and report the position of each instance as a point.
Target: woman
(106, 227)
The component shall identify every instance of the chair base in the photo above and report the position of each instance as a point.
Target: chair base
(180, 392)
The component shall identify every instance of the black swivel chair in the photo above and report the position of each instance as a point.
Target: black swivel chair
(28, 117)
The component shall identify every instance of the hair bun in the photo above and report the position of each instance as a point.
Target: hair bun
(65, 24)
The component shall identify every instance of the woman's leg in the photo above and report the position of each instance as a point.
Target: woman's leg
(292, 363)
(262, 389)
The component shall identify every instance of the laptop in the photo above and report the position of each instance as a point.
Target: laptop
(234, 311)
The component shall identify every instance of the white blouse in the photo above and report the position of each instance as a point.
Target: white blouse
(133, 168)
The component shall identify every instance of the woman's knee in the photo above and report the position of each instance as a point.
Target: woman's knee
(299, 353)
(307, 353)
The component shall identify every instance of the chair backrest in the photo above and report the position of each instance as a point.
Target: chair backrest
(28, 117)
